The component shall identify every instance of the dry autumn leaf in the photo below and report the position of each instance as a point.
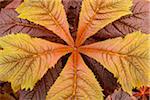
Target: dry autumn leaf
(24, 59)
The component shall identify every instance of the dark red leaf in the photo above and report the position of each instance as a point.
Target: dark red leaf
(139, 20)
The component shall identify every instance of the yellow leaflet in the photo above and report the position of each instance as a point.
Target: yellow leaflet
(24, 60)
(48, 13)
(76, 82)
(127, 58)
(95, 14)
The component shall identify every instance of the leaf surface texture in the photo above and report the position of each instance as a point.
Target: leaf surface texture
(137, 21)
(127, 58)
(95, 14)
(48, 13)
(76, 81)
(24, 60)
(9, 23)
(40, 90)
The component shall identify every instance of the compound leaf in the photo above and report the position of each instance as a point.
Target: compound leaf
(137, 21)
(76, 82)
(95, 14)
(48, 13)
(24, 60)
(127, 58)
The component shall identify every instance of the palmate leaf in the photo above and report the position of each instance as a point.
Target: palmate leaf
(48, 13)
(24, 60)
(137, 21)
(128, 59)
(95, 14)
(76, 82)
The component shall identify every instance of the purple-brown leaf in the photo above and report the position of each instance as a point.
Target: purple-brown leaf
(137, 21)
(104, 77)
(9, 23)
(14, 4)
(120, 95)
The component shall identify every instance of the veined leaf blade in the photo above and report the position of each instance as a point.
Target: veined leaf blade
(9, 23)
(24, 60)
(76, 81)
(48, 13)
(96, 14)
(127, 58)
(137, 21)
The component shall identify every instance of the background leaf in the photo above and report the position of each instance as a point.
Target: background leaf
(14, 4)
(120, 95)
(48, 13)
(9, 23)
(72, 8)
(138, 20)
(25, 61)
(96, 14)
(3, 3)
(128, 58)
(76, 81)
(6, 96)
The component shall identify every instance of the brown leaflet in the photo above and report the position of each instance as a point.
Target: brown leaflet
(6, 92)
(104, 77)
(14, 4)
(138, 21)
(6, 96)
(9, 23)
(3, 3)
(40, 90)
(120, 95)
(72, 8)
